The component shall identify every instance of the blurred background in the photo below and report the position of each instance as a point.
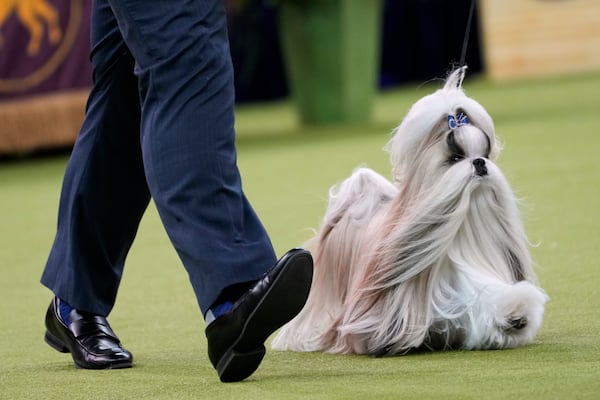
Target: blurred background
(330, 57)
(319, 84)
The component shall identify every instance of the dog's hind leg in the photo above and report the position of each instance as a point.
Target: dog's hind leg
(337, 250)
(358, 198)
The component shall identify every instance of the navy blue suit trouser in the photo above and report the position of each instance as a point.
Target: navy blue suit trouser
(159, 124)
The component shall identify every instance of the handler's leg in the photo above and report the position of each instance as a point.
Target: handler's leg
(186, 86)
(103, 198)
(104, 193)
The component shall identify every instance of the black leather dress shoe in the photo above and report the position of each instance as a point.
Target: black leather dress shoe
(236, 339)
(89, 338)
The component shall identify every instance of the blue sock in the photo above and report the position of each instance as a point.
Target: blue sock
(64, 311)
(226, 300)
(218, 310)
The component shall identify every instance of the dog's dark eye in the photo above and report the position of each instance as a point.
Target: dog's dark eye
(456, 152)
(454, 159)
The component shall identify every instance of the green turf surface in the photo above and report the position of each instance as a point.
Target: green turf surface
(551, 133)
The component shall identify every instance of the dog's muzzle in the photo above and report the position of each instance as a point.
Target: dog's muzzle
(480, 167)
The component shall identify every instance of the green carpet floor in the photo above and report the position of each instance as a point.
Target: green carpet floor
(551, 134)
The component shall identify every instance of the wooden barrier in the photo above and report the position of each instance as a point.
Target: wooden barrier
(533, 38)
(42, 122)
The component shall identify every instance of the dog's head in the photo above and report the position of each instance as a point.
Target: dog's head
(443, 157)
(443, 131)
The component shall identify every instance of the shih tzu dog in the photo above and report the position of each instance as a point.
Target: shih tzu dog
(437, 260)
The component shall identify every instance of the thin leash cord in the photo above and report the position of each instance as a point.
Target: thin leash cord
(465, 44)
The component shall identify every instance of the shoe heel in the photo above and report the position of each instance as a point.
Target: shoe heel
(235, 366)
(55, 343)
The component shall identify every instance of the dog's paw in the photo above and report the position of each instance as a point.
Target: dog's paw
(522, 309)
(509, 317)
(516, 323)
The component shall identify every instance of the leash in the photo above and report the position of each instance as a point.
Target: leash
(465, 44)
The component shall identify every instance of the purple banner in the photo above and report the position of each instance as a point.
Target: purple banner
(44, 46)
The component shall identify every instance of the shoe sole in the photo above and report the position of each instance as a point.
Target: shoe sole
(277, 307)
(55, 343)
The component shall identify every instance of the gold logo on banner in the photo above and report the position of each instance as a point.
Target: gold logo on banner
(33, 15)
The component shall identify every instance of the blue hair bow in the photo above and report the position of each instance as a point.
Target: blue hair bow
(460, 120)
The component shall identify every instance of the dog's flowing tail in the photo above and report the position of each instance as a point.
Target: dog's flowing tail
(337, 252)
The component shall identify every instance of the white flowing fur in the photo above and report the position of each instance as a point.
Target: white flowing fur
(437, 260)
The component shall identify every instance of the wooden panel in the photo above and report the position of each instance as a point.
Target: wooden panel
(41, 122)
(524, 38)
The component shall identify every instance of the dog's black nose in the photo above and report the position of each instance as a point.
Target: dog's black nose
(480, 168)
